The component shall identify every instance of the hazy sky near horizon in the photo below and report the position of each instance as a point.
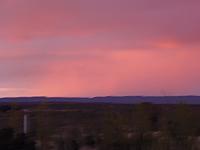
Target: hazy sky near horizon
(99, 47)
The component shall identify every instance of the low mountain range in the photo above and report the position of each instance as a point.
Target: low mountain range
(108, 99)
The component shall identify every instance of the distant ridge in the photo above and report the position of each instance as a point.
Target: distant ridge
(107, 99)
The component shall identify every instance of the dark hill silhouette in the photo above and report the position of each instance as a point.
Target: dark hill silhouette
(108, 99)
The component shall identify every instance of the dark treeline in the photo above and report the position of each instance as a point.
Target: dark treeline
(143, 126)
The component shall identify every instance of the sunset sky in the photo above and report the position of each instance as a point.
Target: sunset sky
(99, 47)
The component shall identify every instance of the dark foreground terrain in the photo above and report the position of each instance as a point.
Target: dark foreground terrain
(99, 126)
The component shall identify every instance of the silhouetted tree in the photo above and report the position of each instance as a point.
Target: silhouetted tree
(44, 125)
(15, 120)
(144, 117)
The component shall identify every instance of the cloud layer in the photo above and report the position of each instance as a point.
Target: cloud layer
(92, 47)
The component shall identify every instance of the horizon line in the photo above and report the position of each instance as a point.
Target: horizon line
(99, 96)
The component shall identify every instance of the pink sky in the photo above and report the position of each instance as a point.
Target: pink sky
(99, 47)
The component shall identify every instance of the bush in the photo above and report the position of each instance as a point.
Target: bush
(11, 141)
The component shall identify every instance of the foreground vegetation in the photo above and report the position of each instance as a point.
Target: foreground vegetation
(102, 127)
